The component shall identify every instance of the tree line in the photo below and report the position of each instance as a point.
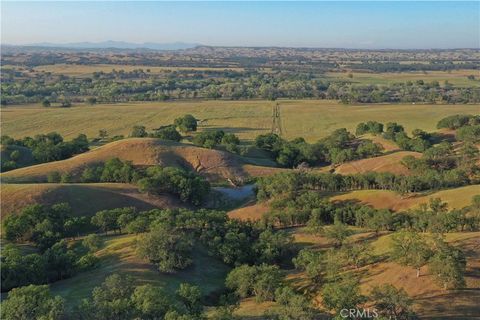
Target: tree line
(44, 148)
(138, 85)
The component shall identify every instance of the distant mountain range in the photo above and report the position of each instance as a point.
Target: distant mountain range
(116, 45)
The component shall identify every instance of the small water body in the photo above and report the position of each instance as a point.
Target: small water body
(237, 193)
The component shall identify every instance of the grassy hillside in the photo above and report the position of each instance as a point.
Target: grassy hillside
(85, 199)
(456, 198)
(380, 199)
(430, 300)
(213, 164)
(118, 256)
(386, 163)
(311, 119)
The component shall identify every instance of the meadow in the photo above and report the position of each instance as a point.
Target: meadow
(118, 255)
(454, 77)
(77, 70)
(311, 119)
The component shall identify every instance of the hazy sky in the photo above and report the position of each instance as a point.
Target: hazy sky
(309, 24)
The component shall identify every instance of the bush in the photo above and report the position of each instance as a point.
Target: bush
(187, 123)
(54, 177)
(87, 262)
(208, 139)
(138, 132)
(168, 248)
(92, 242)
(167, 133)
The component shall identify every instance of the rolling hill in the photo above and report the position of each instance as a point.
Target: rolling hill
(118, 256)
(379, 199)
(85, 199)
(215, 165)
(387, 163)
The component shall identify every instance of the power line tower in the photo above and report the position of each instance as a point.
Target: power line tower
(276, 120)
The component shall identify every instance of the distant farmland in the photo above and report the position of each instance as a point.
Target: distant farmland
(300, 118)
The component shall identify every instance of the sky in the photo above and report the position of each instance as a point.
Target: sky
(365, 25)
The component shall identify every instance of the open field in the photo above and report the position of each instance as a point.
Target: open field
(81, 70)
(454, 77)
(118, 256)
(311, 119)
(85, 199)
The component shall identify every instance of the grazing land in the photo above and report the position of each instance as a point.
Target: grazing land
(240, 183)
(310, 119)
(117, 255)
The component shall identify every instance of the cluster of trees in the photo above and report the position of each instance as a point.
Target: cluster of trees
(446, 263)
(312, 210)
(55, 263)
(165, 133)
(187, 185)
(172, 233)
(12, 157)
(116, 298)
(436, 217)
(43, 225)
(297, 182)
(458, 120)
(46, 148)
(339, 147)
(467, 126)
(394, 66)
(408, 92)
(281, 82)
(327, 272)
(419, 142)
(186, 123)
(212, 139)
(443, 164)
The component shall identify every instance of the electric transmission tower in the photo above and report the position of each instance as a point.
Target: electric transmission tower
(276, 120)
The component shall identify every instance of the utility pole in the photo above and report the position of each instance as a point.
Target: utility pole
(276, 120)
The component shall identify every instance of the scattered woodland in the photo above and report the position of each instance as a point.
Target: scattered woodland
(240, 183)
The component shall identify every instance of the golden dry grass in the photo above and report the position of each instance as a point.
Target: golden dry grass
(385, 199)
(386, 163)
(311, 119)
(213, 164)
(388, 145)
(381, 199)
(82, 70)
(430, 300)
(252, 211)
(85, 199)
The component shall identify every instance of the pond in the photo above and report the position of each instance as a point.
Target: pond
(237, 193)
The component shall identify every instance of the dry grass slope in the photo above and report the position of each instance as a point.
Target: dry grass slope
(386, 163)
(85, 199)
(384, 199)
(213, 164)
